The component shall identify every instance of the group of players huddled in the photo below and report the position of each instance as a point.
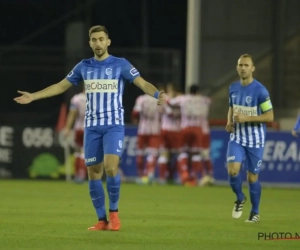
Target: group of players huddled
(174, 137)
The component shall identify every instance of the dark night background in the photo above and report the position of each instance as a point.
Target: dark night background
(33, 50)
(165, 27)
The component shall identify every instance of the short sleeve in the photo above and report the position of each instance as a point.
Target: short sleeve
(264, 100)
(75, 76)
(73, 103)
(138, 105)
(129, 72)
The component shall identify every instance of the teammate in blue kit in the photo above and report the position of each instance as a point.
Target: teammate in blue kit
(104, 77)
(250, 108)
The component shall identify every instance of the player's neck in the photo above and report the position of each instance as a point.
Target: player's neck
(101, 58)
(247, 81)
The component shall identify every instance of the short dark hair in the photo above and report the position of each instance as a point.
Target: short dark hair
(97, 28)
(194, 89)
(247, 55)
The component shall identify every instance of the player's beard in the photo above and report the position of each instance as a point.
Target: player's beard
(99, 52)
(244, 76)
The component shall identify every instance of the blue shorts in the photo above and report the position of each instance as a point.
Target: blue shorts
(250, 157)
(101, 140)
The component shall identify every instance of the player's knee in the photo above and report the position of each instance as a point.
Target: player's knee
(196, 157)
(233, 168)
(162, 159)
(252, 177)
(111, 164)
(95, 172)
(205, 154)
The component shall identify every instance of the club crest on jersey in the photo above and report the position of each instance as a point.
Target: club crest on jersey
(259, 163)
(120, 144)
(108, 71)
(248, 99)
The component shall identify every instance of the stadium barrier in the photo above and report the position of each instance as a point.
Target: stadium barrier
(40, 152)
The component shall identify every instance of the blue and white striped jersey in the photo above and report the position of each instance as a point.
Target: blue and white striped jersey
(250, 100)
(104, 86)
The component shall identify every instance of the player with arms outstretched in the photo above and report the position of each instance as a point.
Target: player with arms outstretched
(104, 77)
(250, 108)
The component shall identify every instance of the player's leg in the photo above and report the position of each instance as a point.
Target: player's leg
(163, 159)
(207, 163)
(93, 159)
(113, 142)
(174, 149)
(254, 159)
(196, 159)
(140, 156)
(183, 157)
(152, 155)
(235, 156)
(81, 171)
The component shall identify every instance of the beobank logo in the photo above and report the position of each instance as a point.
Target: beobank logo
(101, 86)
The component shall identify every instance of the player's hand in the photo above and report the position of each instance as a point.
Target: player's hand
(25, 98)
(239, 118)
(161, 98)
(294, 133)
(66, 132)
(230, 127)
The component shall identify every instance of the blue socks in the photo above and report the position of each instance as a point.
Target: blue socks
(98, 198)
(113, 188)
(255, 193)
(236, 185)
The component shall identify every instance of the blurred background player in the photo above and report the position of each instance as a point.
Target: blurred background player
(189, 160)
(76, 117)
(207, 173)
(170, 137)
(296, 128)
(148, 116)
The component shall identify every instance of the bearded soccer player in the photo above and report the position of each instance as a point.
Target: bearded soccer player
(104, 77)
(76, 117)
(250, 108)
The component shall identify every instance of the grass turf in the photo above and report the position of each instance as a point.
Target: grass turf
(55, 215)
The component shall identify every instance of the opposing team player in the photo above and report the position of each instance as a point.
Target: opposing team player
(250, 109)
(170, 136)
(75, 120)
(148, 116)
(191, 106)
(207, 172)
(104, 77)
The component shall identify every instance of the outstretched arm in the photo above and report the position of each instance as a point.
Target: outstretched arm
(149, 89)
(50, 91)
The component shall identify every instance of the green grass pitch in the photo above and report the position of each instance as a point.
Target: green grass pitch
(56, 215)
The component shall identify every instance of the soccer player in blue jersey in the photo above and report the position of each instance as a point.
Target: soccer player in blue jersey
(250, 108)
(296, 128)
(104, 77)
